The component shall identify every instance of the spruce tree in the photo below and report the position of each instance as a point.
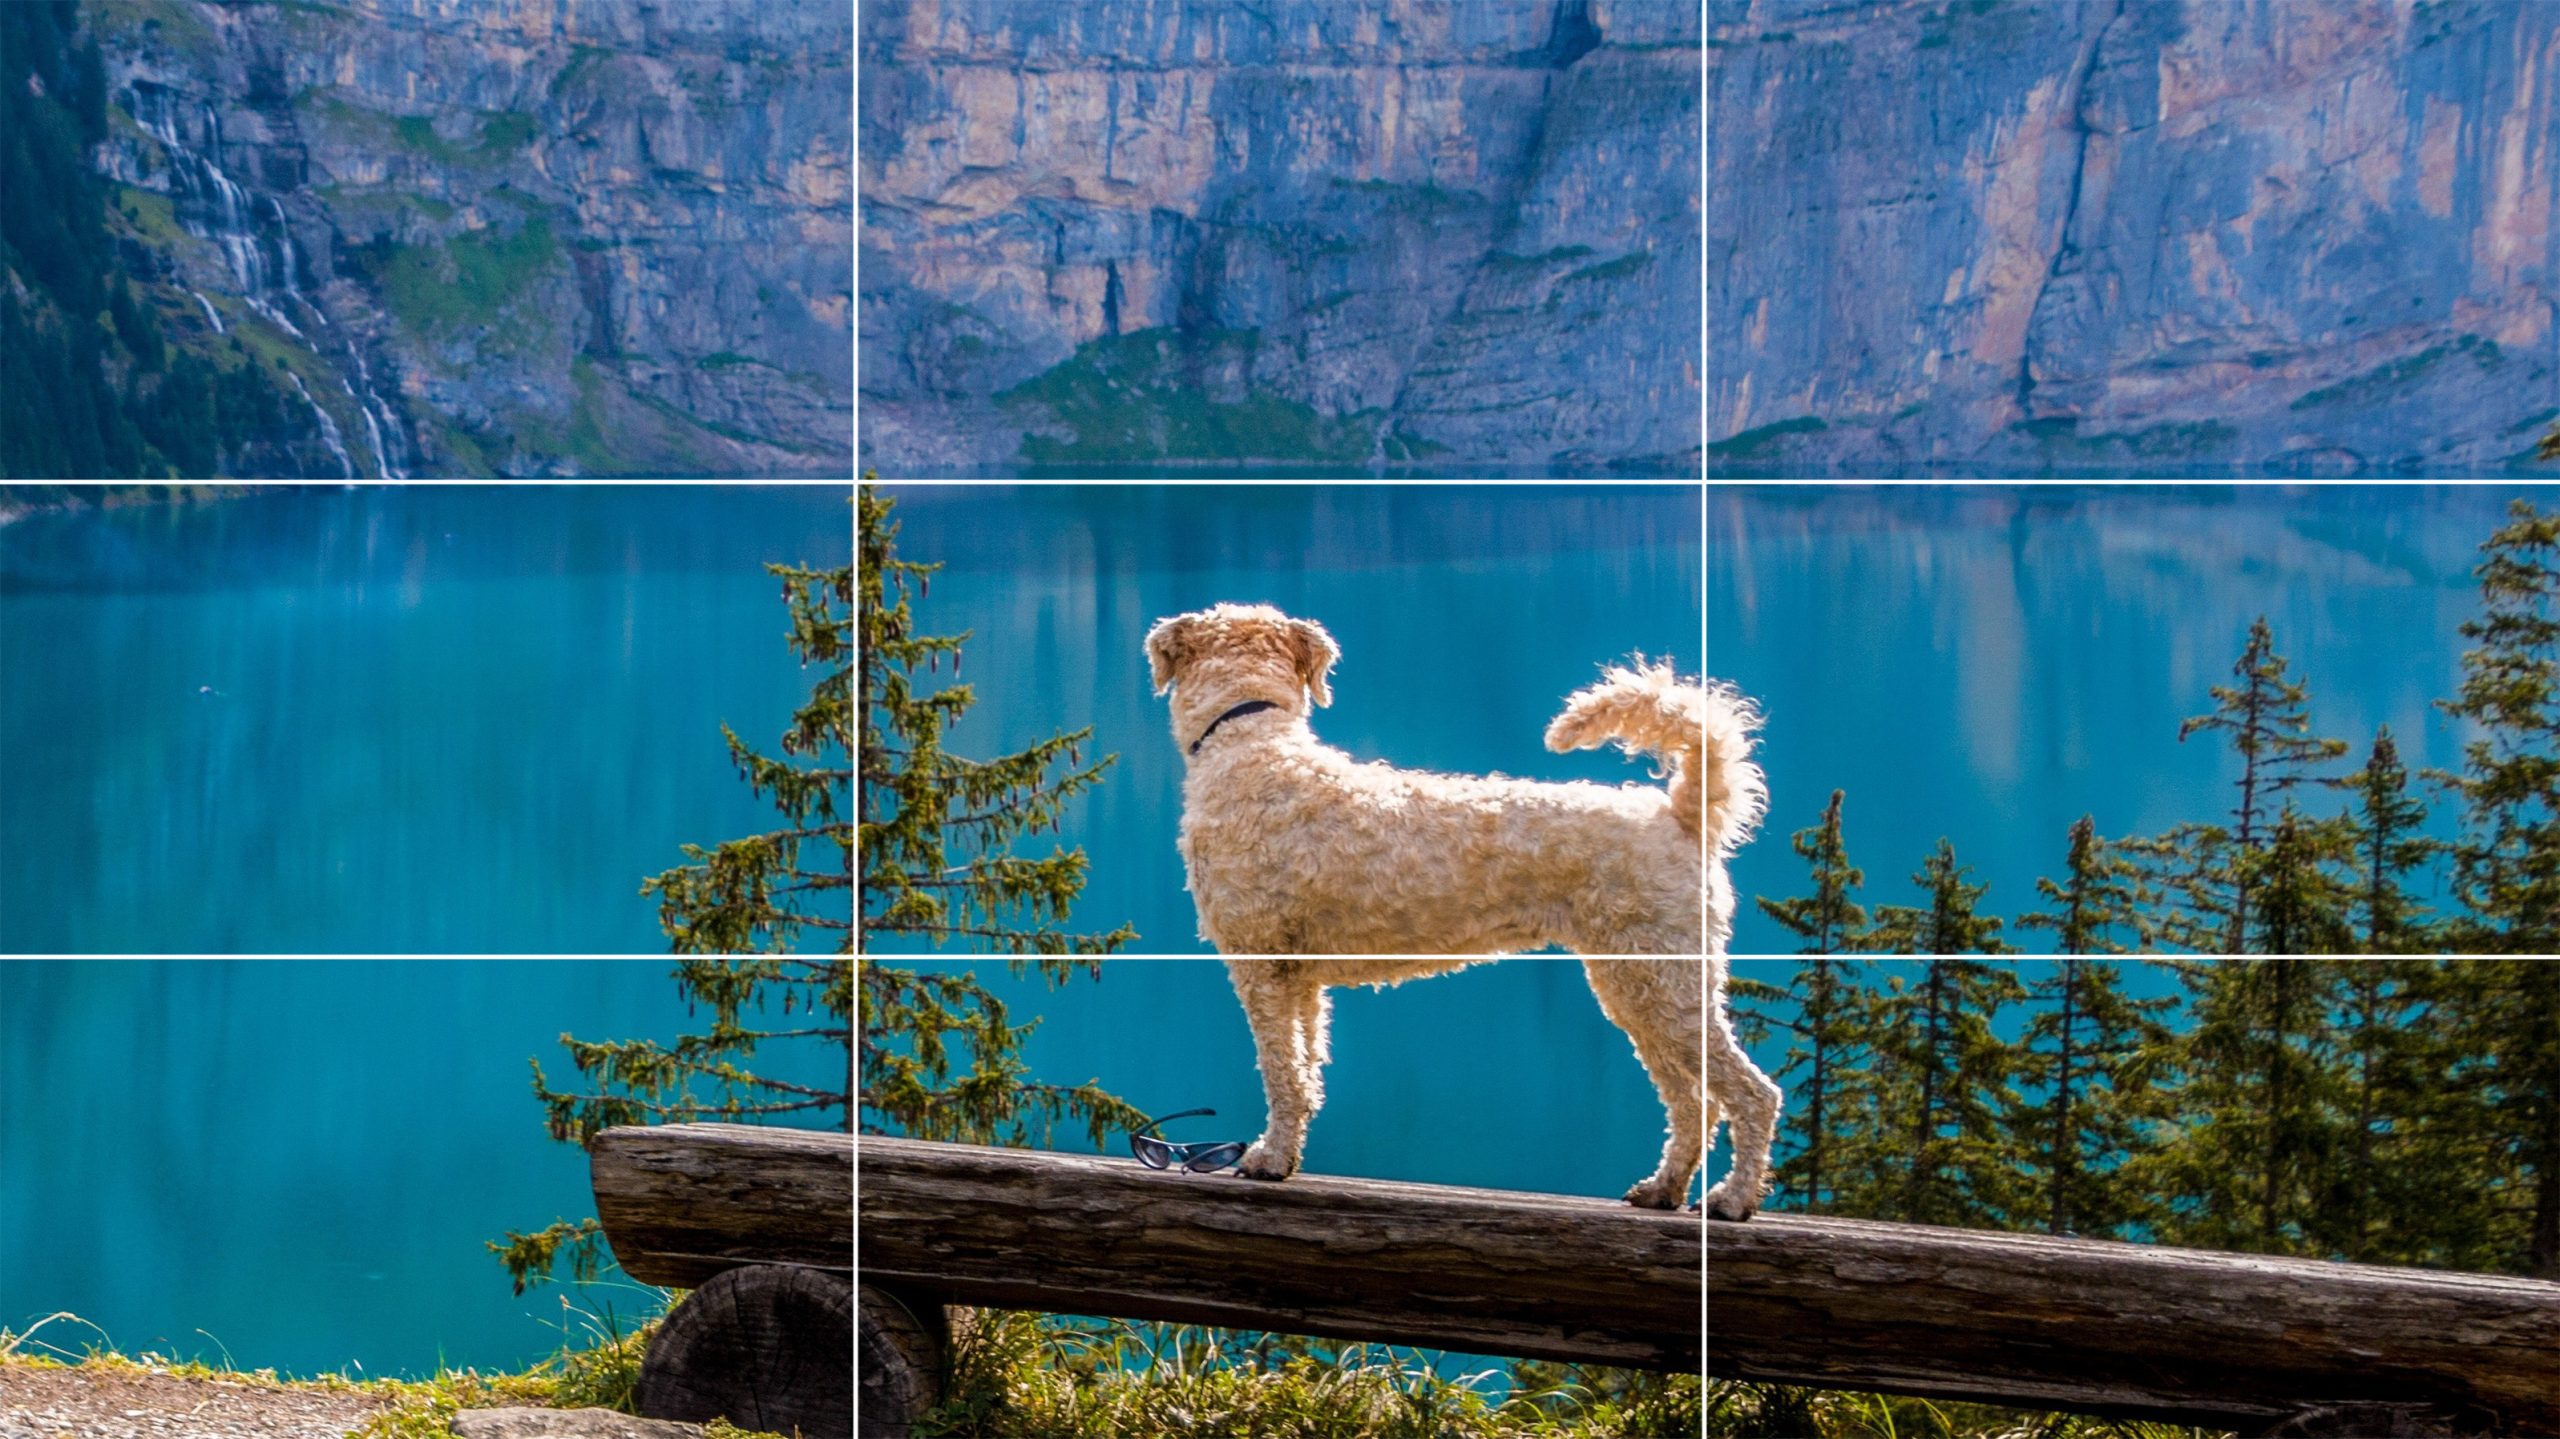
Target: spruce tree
(755, 894)
(1829, 921)
(2506, 866)
(2503, 1017)
(920, 802)
(2386, 827)
(2099, 894)
(2095, 1053)
(2183, 876)
(908, 1015)
(2268, 718)
(2302, 905)
(1934, 1153)
(1950, 925)
(2257, 1118)
(655, 1082)
(1829, 1050)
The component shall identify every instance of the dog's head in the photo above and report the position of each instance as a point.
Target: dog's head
(1217, 658)
(1736, 796)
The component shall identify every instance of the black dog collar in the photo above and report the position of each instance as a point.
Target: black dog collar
(1239, 712)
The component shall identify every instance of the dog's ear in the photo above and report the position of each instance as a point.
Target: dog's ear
(1316, 653)
(1170, 646)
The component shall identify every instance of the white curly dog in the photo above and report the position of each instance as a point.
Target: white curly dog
(1290, 846)
(1736, 795)
(1656, 1001)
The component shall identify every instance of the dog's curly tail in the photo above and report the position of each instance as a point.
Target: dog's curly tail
(1645, 708)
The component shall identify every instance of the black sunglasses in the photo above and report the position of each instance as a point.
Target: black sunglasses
(1156, 1153)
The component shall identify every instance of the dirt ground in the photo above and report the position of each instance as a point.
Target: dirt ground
(42, 1402)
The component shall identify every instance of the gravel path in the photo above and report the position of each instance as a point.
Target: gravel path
(43, 1402)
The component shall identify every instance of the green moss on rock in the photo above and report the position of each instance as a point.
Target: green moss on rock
(1139, 398)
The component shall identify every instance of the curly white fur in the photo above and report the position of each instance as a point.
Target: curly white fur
(1290, 846)
(1656, 1001)
(1736, 795)
(1750, 1101)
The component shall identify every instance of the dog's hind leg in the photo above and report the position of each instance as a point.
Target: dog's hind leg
(1656, 1002)
(1284, 1002)
(1751, 1101)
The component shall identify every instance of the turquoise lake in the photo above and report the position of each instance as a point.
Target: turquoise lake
(1465, 614)
(1988, 663)
(297, 1162)
(415, 719)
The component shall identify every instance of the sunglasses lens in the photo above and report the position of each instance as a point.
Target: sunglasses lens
(1216, 1156)
(1153, 1153)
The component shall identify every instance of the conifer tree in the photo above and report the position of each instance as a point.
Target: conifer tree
(655, 1082)
(2098, 894)
(2268, 718)
(920, 801)
(907, 1083)
(1933, 1153)
(2184, 878)
(1820, 1066)
(755, 894)
(2095, 1052)
(2302, 905)
(1829, 921)
(1950, 925)
(2387, 827)
(2256, 1107)
(2503, 1016)
(2506, 866)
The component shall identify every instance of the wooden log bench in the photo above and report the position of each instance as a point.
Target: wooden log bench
(758, 1223)
(2249, 1342)
(1480, 1271)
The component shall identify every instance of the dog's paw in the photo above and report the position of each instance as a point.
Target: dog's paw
(1654, 1194)
(1726, 1202)
(1260, 1162)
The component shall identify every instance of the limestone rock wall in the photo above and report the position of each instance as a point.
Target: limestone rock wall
(1994, 236)
(1433, 231)
(512, 236)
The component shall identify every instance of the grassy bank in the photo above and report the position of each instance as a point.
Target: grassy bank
(600, 1375)
(1016, 1373)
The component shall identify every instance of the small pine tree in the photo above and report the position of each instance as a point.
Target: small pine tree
(2095, 1052)
(2506, 866)
(2257, 1119)
(1828, 920)
(2302, 905)
(657, 1080)
(1931, 1151)
(2099, 894)
(1827, 997)
(753, 894)
(1950, 925)
(2184, 877)
(2268, 718)
(907, 1088)
(920, 800)
(2386, 828)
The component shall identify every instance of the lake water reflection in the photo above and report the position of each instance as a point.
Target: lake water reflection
(387, 720)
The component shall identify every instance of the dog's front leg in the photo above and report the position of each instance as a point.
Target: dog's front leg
(1656, 1003)
(1285, 1005)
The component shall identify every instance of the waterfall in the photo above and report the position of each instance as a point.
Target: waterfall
(217, 208)
(328, 427)
(380, 419)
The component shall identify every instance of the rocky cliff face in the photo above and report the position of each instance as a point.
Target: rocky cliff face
(1995, 236)
(1454, 232)
(518, 237)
